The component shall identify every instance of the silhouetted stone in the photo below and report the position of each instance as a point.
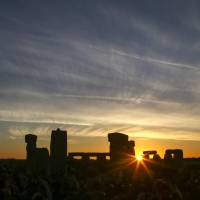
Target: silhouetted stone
(37, 158)
(173, 154)
(116, 138)
(120, 147)
(168, 156)
(178, 155)
(87, 156)
(31, 141)
(58, 150)
(58, 146)
(146, 154)
(156, 157)
(131, 147)
(101, 157)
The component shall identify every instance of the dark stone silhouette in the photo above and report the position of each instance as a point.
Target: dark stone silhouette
(88, 156)
(156, 157)
(122, 151)
(58, 150)
(38, 158)
(58, 146)
(31, 141)
(120, 147)
(173, 154)
(131, 147)
(146, 155)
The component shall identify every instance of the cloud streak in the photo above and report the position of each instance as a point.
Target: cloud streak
(101, 63)
(148, 59)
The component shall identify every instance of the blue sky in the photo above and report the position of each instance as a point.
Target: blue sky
(100, 66)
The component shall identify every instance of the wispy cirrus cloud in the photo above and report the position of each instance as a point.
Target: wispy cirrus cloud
(101, 63)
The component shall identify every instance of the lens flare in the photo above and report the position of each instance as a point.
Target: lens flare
(139, 157)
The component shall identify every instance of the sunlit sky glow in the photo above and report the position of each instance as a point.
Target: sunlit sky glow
(99, 66)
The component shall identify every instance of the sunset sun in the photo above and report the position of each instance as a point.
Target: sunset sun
(139, 158)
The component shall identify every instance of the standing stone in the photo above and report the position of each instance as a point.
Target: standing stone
(132, 147)
(120, 147)
(37, 158)
(175, 154)
(58, 150)
(31, 141)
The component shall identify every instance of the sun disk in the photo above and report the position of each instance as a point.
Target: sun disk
(139, 157)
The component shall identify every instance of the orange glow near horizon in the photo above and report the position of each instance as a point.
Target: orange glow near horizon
(11, 148)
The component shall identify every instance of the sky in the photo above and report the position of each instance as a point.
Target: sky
(99, 66)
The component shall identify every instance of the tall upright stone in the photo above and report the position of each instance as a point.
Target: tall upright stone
(120, 146)
(58, 146)
(131, 147)
(31, 141)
